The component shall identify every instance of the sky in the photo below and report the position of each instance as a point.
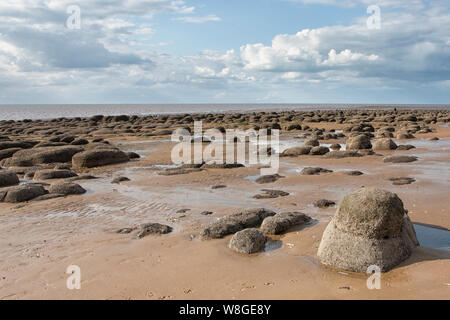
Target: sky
(224, 51)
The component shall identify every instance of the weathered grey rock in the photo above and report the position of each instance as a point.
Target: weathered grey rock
(271, 194)
(400, 159)
(133, 155)
(7, 153)
(335, 147)
(314, 171)
(120, 179)
(46, 174)
(233, 223)
(319, 151)
(8, 178)
(342, 154)
(370, 227)
(248, 241)
(324, 203)
(22, 193)
(311, 143)
(359, 142)
(66, 188)
(268, 178)
(98, 157)
(296, 151)
(281, 222)
(354, 173)
(153, 228)
(405, 147)
(402, 181)
(384, 144)
(28, 157)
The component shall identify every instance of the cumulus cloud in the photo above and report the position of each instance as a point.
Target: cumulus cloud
(41, 59)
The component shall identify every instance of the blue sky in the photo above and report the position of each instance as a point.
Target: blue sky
(216, 51)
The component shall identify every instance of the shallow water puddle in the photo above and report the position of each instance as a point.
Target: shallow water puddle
(431, 237)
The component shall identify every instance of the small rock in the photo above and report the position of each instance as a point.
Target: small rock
(248, 241)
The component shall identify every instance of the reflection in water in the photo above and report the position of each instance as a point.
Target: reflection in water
(432, 237)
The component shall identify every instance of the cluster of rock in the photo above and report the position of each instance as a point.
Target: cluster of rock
(247, 238)
(38, 189)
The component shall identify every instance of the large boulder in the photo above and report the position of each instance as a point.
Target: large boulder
(98, 157)
(359, 142)
(248, 241)
(384, 144)
(281, 222)
(370, 227)
(66, 188)
(233, 223)
(8, 178)
(22, 193)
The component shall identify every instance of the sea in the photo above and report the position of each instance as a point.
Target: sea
(50, 111)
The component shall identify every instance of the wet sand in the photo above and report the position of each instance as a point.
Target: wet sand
(39, 240)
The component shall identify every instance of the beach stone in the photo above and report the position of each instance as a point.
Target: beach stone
(311, 143)
(358, 142)
(402, 181)
(177, 171)
(324, 203)
(8, 178)
(354, 173)
(153, 228)
(44, 155)
(281, 222)
(46, 174)
(218, 186)
(405, 147)
(342, 154)
(404, 135)
(120, 179)
(133, 155)
(296, 151)
(434, 139)
(206, 213)
(268, 178)
(48, 196)
(400, 159)
(384, 144)
(79, 142)
(233, 223)
(335, 147)
(66, 188)
(248, 241)
(314, 171)
(98, 157)
(319, 151)
(17, 144)
(370, 227)
(23, 193)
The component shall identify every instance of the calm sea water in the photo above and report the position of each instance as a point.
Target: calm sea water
(19, 112)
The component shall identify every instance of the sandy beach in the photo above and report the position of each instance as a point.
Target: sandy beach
(40, 239)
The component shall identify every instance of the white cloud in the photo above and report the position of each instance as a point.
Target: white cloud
(40, 58)
(193, 19)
